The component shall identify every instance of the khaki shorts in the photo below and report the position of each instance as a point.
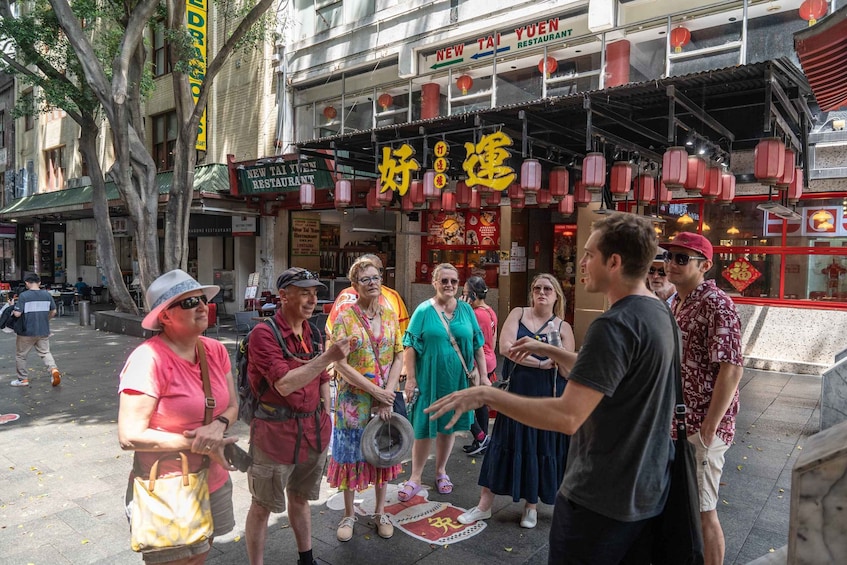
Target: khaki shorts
(710, 462)
(268, 480)
(223, 519)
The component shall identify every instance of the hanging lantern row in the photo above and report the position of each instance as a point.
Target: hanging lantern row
(813, 10)
(680, 37)
(548, 66)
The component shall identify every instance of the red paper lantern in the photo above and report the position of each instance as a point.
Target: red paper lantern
(558, 182)
(492, 199)
(384, 197)
(680, 37)
(464, 83)
(581, 195)
(406, 204)
(463, 194)
(531, 175)
(448, 201)
(713, 183)
(620, 178)
(307, 195)
(665, 194)
(813, 10)
(788, 172)
(795, 189)
(515, 192)
(675, 167)
(435, 205)
(430, 191)
(385, 100)
(330, 113)
(517, 203)
(343, 193)
(769, 157)
(566, 205)
(371, 201)
(727, 194)
(695, 179)
(548, 66)
(543, 198)
(645, 186)
(594, 171)
(416, 192)
(476, 200)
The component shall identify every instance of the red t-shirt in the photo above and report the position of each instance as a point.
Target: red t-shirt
(267, 363)
(487, 320)
(155, 370)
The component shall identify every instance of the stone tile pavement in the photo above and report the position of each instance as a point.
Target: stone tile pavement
(63, 476)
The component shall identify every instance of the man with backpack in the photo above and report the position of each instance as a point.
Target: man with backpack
(290, 430)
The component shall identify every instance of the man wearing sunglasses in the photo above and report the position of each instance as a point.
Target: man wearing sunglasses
(657, 278)
(289, 441)
(711, 371)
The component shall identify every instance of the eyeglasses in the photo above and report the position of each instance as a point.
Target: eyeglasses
(543, 289)
(681, 259)
(660, 271)
(365, 281)
(453, 282)
(190, 302)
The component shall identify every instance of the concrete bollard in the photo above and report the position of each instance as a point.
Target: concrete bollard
(84, 312)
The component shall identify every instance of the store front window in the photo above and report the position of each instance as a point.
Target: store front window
(468, 240)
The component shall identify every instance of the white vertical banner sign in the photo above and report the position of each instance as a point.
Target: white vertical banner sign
(196, 12)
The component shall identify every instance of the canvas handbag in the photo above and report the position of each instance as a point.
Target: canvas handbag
(174, 511)
(677, 536)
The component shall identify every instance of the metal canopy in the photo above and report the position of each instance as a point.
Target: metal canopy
(718, 110)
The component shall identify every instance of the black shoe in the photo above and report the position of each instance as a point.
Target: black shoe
(481, 447)
(301, 563)
(471, 448)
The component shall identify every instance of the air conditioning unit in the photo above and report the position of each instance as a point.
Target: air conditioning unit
(76, 182)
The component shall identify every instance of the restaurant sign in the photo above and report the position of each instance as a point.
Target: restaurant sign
(283, 177)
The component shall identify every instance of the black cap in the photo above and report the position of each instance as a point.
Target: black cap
(298, 277)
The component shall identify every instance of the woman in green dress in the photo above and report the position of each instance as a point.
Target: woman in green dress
(434, 370)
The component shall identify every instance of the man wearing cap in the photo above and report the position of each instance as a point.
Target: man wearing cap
(711, 371)
(289, 441)
(657, 279)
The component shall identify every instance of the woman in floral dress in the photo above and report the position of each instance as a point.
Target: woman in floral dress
(369, 376)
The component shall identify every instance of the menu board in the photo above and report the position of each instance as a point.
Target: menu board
(476, 229)
(305, 237)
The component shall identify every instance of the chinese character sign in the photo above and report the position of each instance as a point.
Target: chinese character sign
(485, 162)
(396, 167)
(741, 274)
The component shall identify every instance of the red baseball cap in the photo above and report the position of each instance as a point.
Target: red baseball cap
(694, 242)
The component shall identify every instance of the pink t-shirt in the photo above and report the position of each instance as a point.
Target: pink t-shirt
(153, 369)
(487, 320)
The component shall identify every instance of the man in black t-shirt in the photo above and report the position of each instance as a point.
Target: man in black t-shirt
(618, 405)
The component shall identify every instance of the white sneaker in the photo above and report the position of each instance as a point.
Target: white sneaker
(530, 518)
(20, 382)
(474, 515)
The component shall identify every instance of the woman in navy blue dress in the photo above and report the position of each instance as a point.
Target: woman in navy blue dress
(524, 462)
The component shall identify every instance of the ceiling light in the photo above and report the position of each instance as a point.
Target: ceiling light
(733, 230)
(685, 219)
(706, 227)
(779, 210)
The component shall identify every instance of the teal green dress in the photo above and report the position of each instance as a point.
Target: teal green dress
(438, 369)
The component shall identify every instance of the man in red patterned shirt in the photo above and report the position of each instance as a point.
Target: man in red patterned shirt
(711, 371)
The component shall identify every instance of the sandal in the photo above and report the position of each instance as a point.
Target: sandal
(442, 482)
(408, 492)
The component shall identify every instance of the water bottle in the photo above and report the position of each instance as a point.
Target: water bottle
(553, 337)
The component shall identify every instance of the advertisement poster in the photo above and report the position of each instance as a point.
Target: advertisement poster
(305, 237)
(477, 229)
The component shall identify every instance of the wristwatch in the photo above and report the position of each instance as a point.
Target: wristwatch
(223, 419)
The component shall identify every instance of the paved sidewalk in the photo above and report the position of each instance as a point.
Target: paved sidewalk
(63, 475)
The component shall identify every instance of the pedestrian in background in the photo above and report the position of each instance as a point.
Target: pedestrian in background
(657, 279)
(34, 309)
(712, 366)
(162, 402)
(522, 461)
(435, 370)
(368, 377)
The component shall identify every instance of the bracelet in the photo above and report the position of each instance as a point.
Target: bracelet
(223, 419)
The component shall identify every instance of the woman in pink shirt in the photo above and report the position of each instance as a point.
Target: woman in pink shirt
(162, 403)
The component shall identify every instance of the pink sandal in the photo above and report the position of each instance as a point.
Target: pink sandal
(442, 482)
(408, 492)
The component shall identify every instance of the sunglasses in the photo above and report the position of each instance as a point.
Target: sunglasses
(190, 302)
(654, 270)
(543, 289)
(681, 259)
(365, 281)
(303, 275)
(453, 282)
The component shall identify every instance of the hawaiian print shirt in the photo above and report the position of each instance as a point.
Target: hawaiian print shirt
(711, 335)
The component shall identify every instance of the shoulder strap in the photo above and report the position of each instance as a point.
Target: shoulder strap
(446, 324)
(207, 385)
(679, 409)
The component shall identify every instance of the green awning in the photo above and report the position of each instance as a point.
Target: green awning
(207, 178)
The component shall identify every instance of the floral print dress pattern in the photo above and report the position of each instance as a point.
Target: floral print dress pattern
(348, 469)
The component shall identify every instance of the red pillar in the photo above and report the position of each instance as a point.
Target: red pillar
(617, 63)
(430, 100)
